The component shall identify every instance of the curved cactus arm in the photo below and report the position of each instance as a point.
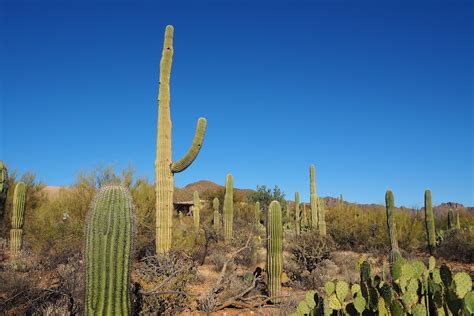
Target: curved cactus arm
(193, 151)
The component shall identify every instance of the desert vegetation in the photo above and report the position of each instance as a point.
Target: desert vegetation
(114, 244)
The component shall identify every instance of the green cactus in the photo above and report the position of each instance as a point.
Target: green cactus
(304, 217)
(16, 232)
(451, 222)
(228, 211)
(458, 223)
(429, 222)
(3, 187)
(322, 217)
(297, 213)
(313, 198)
(274, 250)
(394, 255)
(216, 219)
(257, 215)
(196, 210)
(165, 168)
(108, 252)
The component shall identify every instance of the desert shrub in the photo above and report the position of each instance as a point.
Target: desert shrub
(309, 249)
(163, 281)
(458, 245)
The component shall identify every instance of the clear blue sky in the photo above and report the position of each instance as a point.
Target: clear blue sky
(377, 94)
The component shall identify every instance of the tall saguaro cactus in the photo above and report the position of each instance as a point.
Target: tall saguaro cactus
(458, 223)
(313, 198)
(304, 216)
(196, 209)
(3, 187)
(165, 168)
(16, 232)
(108, 253)
(228, 211)
(274, 249)
(322, 217)
(392, 230)
(257, 214)
(429, 221)
(451, 221)
(297, 213)
(216, 217)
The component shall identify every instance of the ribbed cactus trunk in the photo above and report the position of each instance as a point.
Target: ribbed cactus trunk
(392, 228)
(16, 232)
(297, 213)
(322, 217)
(228, 211)
(274, 250)
(164, 167)
(108, 252)
(257, 214)
(216, 217)
(304, 216)
(196, 209)
(458, 223)
(313, 198)
(3, 187)
(429, 222)
(451, 221)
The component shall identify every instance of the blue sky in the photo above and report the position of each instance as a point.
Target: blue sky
(376, 95)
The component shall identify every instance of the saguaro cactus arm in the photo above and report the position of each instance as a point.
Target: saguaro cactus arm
(193, 151)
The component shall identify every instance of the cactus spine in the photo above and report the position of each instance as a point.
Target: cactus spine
(228, 211)
(196, 209)
(429, 221)
(257, 214)
(216, 219)
(109, 233)
(3, 187)
(297, 213)
(394, 255)
(165, 168)
(322, 217)
(313, 198)
(274, 249)
(16, 232)
(451, 223)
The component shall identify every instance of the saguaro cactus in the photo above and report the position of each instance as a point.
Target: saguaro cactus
(304, 216)
(165, 168)
(257, 214)
(16, 232)
(196, 209)
(313, 198)
(451, 223)
(228, 211)
(3, 187)
(392, 230)
(297, 213)
(216, 217)
(108, 253)
(458, 223)
(429, 221)
(274, 249)
(322, 217)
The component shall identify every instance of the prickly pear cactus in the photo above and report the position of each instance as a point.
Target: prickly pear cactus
(196, 209)
(216, 217)
(274, 249)
(429, 221)
(3, 187)
(16, 232)
(228, 212)
(165, 168)
(108, 252)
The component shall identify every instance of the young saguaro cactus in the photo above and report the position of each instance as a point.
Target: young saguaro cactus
(429, 221)
(228, 211)
(313, 198)
(322, 217)
(257, 214)
(451, 221)
(108, 252)
(3, 187)
(196, 209)
(165, 168)
(216, 217)
(297, 213)
(304, 216)
(16, 232)
(394, 255)
(458, 223)
(274, 249)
